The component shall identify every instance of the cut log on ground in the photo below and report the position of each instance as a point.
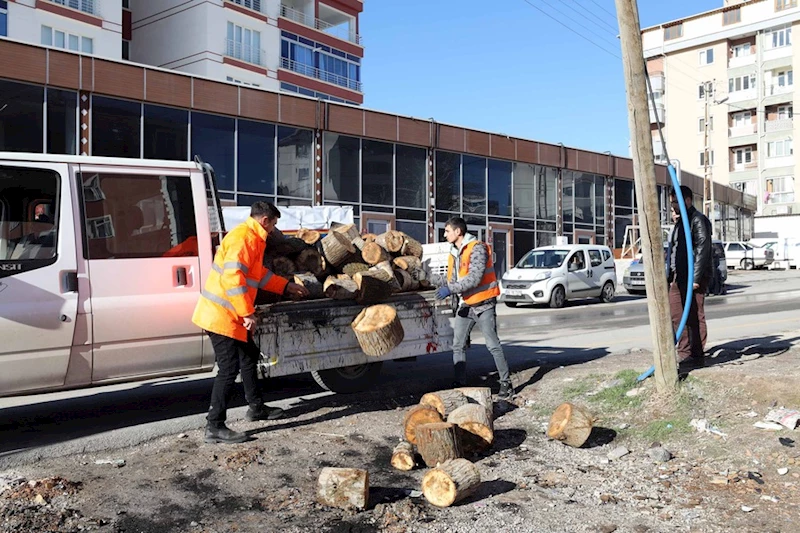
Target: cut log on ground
(481, 395)
(352, 268)
(308, 236)
(310, 282)
(403, 456)
(310, 260)
(283, 266)
(371, 289)
(438, 442)
(340, 287)
(411, 246)
(571, 425)
(348, 230)
(391, 241)
(416, 416)
(407, 262)
(346, 488)
(373, 253)
(477, 433)
(378, 329)
(336, 248)
(444, 401)
(450, 482)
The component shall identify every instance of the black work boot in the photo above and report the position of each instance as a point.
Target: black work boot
(263, 412)
(460, 374)
(224, 435)
(506, 391)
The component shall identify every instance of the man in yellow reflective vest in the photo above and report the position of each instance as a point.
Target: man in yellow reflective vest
(470, 274)
(226, 312)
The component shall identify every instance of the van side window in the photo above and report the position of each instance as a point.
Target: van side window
(606, 255)
(595, 257)
(134, 216)
(28, 218)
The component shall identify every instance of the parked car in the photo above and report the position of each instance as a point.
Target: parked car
(746, 256)
(633, 278)
(555, 274)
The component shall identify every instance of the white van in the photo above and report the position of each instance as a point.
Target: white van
(555, 274)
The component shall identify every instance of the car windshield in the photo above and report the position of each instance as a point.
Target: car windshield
(543, 259)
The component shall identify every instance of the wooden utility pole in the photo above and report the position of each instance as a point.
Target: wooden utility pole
(644, 172)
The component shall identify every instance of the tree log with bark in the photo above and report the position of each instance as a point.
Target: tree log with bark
(283, 266)
(310, 282)
(373, 253)
(444, 401)
(417, 415)
(310, 260)
(477, 432)
(391, 241)
(403, 457)
(571, 425)
(438, 442)
(407, 262)
(481, 395)
(308, 236)
(346, 488)
(378, 329)
(336, 248)
(340, 287)
(450, 482)
(411, 246)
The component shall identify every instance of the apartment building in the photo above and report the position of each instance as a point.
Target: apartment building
(738, 62)
(309, 47)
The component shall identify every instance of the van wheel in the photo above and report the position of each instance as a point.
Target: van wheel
(607, 294)
(348, 379)
(746, 264)
(511, 304)
(558, 297)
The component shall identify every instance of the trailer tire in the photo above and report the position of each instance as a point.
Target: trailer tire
(349, 379)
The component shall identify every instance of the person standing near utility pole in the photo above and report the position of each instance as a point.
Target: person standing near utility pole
(226, 312)
(691, 345)
(470, 274)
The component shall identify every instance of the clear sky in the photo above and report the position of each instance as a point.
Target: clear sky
(504, 66)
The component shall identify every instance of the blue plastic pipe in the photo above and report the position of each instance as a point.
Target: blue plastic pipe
(687, 232)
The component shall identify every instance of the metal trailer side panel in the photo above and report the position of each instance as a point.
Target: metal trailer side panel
(316, 335)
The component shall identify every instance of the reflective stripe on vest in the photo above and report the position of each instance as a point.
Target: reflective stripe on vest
(488, 287)
(217, 300)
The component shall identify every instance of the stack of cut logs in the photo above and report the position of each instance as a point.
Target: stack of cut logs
(444, 428)
(345, 265)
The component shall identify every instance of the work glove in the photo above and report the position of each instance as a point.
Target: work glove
(442, 293)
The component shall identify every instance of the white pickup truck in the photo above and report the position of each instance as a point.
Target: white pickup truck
(102, 261)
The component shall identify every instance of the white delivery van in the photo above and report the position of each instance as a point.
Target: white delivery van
(555, 274)
(102, 261)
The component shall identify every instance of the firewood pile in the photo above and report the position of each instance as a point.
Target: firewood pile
(345, 265)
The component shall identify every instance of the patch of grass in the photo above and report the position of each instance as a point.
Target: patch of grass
(613, 398)
(578, 388)
(661, 430)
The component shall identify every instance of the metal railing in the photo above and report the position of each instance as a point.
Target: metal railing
(245, 53)
(313, 72)
(779, 124)
(87, 6)
(335, 30)
(255, 5)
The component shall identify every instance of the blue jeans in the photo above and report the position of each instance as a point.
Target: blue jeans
(487, 321)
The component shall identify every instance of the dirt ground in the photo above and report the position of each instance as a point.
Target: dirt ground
(529, 483)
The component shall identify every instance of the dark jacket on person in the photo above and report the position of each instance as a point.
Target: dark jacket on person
(701, 243)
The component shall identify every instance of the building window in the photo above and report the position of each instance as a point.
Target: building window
(780, 148)
(747, 187)
(743, 156)
(701, 124)
(742, 83)
(212, 140)
(707, 57)
(701, 91)
(3, 18)
(499, 188)
(341, 168)
(785, 112)
(377, 171)
(240, 82)
(256, 157)
(67, 41)
(673, 32)
(741, 50)
(137, 216)
(732, 16)
(779, 38)
(780, 5)
(710, 158)
(126, 4)
(785, 78)
(62, 122)
(244, 44)
(126, 50)
(411, 164)
(741, 120)
(255, 5)
(87, 6)
(166, 133)
(473, 174)
(780, 190)
(116, 126)
(448, 181)
(22, 119)
(295, 176)
(320, 61)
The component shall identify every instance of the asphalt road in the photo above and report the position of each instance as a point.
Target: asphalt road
(762, 309)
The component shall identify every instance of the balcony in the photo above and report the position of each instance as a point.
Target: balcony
(657, 82)
(657, 114)
(739, 96)
(86, 6)
(772, 90)
(779, 162)
(245, 53)
(328, 77)
(777, 53)
(742, 61)
(779, 125)
(336, 25)
(741, 131)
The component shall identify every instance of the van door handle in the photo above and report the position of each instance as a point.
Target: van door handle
(69, 281)
(180, 276)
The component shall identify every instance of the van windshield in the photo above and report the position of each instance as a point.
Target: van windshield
(543, 259)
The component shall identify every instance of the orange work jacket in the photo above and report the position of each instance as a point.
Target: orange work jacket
(188, 248)
(487, 288)
(236, 275)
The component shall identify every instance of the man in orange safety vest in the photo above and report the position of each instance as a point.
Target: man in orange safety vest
(226, 311)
